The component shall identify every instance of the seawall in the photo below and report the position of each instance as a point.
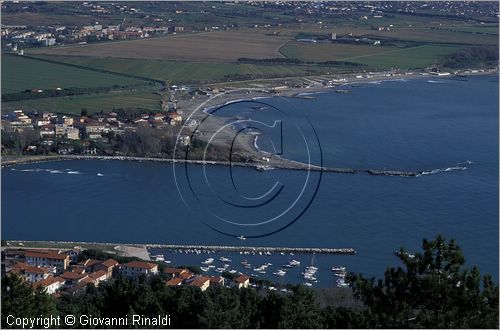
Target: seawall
(282, 164)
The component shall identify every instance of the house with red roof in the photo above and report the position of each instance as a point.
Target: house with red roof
(174, 281)
(134, 269)
(201, 282)
(241, 281)
(50, 284)
(47, 259)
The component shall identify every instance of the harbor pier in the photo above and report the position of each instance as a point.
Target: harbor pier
(228, 248)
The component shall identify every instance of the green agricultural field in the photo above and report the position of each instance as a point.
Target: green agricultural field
(20, 73)
(376, 57)
(92, 103)
(322, 52)
(477, 29)
(405, 58)
(436, 35)
(188, 72)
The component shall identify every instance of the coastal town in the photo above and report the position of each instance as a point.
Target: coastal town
(249, 164)
(33, 133)
(61, 272)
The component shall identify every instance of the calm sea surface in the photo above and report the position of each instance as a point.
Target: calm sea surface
(448, 128)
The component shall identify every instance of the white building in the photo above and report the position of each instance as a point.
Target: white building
(134, 269)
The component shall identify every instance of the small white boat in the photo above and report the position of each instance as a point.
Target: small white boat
(205, 269)
(307, 284)
(208, 261)
(242, 237)
(338, 269)
(279, 272)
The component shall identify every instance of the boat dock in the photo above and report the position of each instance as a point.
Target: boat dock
(226, 248)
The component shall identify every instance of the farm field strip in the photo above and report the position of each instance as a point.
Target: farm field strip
(92, 103)
(207, 47)
(19, 74)
(184, 72)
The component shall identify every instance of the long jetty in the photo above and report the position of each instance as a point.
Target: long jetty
(228, 248)
(23, 244)
(283, 164)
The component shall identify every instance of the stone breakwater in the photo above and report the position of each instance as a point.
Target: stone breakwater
(126, 248)
(274, 163)
(227, 248)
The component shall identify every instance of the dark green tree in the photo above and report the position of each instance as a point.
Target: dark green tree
(20, 300)
(432, 290)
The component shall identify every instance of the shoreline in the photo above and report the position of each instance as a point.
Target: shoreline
(244, 94)
(237, 93)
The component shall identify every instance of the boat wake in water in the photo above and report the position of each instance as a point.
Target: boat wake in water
(457, 167)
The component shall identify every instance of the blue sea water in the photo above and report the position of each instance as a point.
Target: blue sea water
(442, 126)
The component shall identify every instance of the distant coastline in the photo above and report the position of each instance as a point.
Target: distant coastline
(7, 160)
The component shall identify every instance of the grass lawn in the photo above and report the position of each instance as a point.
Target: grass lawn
(20, 73)
(92, 103)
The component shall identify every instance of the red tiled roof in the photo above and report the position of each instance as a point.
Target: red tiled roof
(86, 280)
(174, 281)
(170, 270)
(241, 279)
(98, 274)
(37, 270)
(215, 279)
(199, 281)
(19, 267)
(110, 263)
(92, 262)
(48, 255)
(46, 282)
(141, 264)
(187, 274)
(73, 276)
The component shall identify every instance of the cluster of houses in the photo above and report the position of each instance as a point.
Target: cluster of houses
(57, 272)
(51, 126)
(61, 272)
(183, 276)
(18, 37)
